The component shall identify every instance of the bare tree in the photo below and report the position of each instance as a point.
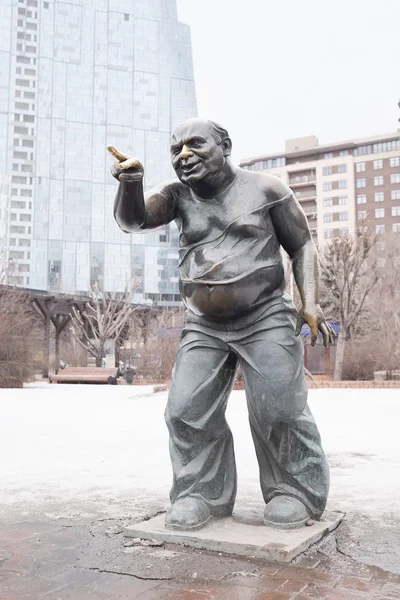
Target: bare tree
(153, 340)
(348, 272)
(104, 317)
(8, 270)
(19, 330)
(71, 352)
(383, 306)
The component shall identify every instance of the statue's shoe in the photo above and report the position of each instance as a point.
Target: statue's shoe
(187, 514)
(285, 512)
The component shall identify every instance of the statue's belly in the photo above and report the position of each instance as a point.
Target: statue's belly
(233, 300)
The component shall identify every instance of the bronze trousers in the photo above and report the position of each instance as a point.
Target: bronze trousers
(285, 435)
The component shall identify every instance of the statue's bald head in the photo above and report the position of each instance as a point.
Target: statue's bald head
(218, 132)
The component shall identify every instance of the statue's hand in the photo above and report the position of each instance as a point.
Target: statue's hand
(125, 168)
(314, 317)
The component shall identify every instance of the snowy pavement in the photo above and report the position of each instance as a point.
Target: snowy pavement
(78, 456)
(108, 446)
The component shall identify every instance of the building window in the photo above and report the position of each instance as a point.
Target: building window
(361, 215)
(379, 196)
(343, 231)
(362, 199)
(328, 155)
(380, 263)
(328, 234)
(343, 216)
(396, 227)
(126, 17)
(342, 168)
(395, 178)
(342, 200)
(395, 161)
(342, 184)
(386, 146)
(379, 213)
(395, 211)
(327, 186)
(343, 153)
(360, 167)
(360, 183)
(327, 171)
(271, 163)
(328, 218)
(379, 229)
(328, 202)
(380, 246)
(378, 180)
(395, 195)
(378, 164)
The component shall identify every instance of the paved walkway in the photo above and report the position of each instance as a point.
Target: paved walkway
(90, 560)
(81, 462)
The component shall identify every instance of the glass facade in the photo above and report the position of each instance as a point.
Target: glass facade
(4, 217)
(74, 77)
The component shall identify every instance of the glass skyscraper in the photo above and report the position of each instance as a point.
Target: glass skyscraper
(75, 76)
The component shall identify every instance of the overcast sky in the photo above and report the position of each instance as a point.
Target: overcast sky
(270, 70)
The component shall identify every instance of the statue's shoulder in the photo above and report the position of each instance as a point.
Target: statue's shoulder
(272, 186)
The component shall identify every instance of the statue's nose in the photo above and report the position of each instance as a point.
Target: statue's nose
(186, 152)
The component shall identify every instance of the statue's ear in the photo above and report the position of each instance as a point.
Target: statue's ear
(227, 146)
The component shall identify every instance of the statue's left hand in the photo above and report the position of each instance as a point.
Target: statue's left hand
(315, 319)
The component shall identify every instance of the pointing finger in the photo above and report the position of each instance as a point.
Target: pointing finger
(118, 155)
(129, 163)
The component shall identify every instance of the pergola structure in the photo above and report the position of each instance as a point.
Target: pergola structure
(57, 309)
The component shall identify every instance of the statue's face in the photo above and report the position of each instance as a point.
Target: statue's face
(195, 153)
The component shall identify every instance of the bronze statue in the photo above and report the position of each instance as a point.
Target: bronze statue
(232, 223)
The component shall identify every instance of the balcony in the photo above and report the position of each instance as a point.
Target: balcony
(302, 180)
(311, 215)
(308, 195)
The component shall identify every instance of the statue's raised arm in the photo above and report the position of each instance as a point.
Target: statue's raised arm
(133, 209)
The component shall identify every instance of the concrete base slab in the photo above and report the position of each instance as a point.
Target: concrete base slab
(242, 537)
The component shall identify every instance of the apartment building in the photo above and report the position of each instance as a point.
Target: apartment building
(341, 185)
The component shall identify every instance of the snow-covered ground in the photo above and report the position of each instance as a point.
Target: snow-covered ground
(108, 446)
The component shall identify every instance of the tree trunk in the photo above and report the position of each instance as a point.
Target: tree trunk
(340, 348)
(99, 360)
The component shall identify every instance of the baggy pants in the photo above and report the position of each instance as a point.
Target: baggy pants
(286, 438)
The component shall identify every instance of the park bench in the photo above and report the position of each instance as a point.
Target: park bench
(84, 375)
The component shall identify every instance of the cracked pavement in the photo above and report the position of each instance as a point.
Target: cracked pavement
(81, 462)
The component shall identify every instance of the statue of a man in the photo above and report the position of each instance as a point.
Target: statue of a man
(232, 223)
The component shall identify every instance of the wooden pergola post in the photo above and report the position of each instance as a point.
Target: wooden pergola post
(60, 322)
(44, 308)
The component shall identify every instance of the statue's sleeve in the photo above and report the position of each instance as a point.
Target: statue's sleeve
(289, 221)
(135, 211)
(160, 205)
(278, 192)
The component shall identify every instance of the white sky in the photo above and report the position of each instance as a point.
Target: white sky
(271, 70)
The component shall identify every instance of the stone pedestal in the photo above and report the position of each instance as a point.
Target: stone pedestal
(234, 535)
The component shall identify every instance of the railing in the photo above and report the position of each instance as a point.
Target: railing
(302, 179)
(308, 194)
